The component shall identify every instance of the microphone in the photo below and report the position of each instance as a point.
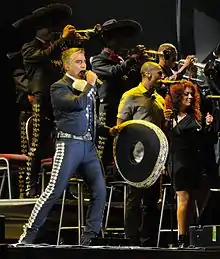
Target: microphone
(99, 81)
(83, 74)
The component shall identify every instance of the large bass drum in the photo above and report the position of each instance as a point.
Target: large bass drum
(140, 152)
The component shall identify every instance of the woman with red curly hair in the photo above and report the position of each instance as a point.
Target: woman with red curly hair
(183, 118)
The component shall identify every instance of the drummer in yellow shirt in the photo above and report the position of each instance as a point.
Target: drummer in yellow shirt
(143, 103)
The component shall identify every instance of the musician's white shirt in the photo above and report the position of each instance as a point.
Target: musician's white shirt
(78, 84)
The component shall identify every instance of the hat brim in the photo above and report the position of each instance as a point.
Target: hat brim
(128, 28)
(216, 51)
(51, 15)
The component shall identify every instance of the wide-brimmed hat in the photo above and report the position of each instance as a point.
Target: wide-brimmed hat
(137, 166)
(51, 15)
(128, 28)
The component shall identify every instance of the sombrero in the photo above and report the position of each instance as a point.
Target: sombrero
(49, 16)
(128, 28)
(140, 152)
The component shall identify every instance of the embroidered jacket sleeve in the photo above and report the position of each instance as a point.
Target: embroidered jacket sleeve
(62, 97)
(105, 68)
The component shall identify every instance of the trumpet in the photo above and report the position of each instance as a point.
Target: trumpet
(154, 52)
(166, 53)
(87, 33)
(142, 49)
(193, 79)
(164, 81)
(195, 63)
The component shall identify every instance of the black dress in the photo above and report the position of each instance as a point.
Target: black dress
(183, 162)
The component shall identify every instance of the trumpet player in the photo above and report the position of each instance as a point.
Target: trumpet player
(167, 60)
(42, 66)
(112, 69)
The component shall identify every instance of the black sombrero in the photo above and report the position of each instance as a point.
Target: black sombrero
(140, 166)
(49, 16)
(128, 28)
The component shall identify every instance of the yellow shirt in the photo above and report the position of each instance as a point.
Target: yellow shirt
(137, 104)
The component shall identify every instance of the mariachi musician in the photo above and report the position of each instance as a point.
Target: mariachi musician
(112, 69)
(24, 112)
(168, 55)
(43, 66)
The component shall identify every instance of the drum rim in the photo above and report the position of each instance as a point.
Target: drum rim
(162, 156)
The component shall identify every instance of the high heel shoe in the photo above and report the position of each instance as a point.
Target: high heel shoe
(182, 241)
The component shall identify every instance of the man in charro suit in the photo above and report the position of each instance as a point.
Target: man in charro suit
(73, 101)
(43, 66)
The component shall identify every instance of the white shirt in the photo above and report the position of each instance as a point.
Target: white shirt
(78, 84)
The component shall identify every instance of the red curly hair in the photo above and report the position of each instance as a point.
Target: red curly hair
(177, 91)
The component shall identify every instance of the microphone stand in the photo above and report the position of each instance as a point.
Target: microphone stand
(170, 135)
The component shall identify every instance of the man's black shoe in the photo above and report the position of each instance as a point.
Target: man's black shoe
(86, 238)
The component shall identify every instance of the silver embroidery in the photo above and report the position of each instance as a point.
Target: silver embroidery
(58, 159)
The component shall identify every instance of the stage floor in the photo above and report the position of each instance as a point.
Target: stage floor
(107, 252)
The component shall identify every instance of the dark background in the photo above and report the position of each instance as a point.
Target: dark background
(158, 19)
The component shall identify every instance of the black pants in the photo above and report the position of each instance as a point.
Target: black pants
(23, 149)
(107, 116)
(41, 142)
(142, 215)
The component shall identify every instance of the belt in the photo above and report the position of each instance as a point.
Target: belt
(62, 134)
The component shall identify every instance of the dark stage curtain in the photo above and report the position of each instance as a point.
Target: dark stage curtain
(187, 44)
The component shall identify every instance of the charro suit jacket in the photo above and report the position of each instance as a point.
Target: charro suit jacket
(74, 111)
(42, 65)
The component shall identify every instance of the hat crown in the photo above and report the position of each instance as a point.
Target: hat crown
(54, 14)
(130, 27)
(40, 9)
(57, 8)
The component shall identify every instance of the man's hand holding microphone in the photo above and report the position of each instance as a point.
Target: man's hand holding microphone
(91, 77)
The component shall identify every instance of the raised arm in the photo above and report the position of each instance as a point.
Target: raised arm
(62, 97)
(109, 69)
